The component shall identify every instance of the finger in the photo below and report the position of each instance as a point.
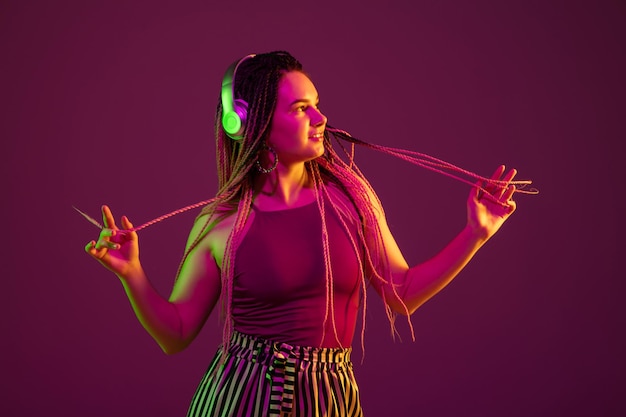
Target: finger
(480, 193)
(107, 218)
(504, 188)
(509, 193)
(498, 189)
(498, 172)
(106, 244)
(100, 244)
(106, 235)
(126, 223)
(91, 249)
(491, 187)
(510, 175)
(512, 206)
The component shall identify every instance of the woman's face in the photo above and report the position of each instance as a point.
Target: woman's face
(297, 128)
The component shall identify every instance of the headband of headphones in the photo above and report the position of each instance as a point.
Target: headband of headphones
(234, 111)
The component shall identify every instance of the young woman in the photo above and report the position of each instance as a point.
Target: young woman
(289, 245)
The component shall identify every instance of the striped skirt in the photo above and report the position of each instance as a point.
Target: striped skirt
(263, 378)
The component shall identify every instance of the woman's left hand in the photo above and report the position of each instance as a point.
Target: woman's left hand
(486, 213)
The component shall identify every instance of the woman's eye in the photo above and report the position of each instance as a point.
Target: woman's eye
(306, 107)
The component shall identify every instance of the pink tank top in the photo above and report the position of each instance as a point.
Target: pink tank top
(279, 290)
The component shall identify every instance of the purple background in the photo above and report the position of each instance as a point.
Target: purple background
(114, 104)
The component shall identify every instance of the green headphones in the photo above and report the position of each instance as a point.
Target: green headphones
(234, 111)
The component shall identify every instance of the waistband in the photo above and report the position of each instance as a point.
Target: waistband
(258, 350)
(282, 361)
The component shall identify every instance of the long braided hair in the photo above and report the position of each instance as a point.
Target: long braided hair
(257, 83)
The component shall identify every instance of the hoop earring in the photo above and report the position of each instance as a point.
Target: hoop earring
(260, 167)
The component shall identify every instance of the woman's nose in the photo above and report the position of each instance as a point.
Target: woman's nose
(319, 118)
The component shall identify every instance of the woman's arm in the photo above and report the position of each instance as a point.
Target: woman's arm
(173, 323)
(416, 285)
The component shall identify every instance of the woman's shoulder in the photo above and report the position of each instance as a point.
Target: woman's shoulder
(215, 221)
(212, 229)
(209, 221)
(360, 197)
(342, 200)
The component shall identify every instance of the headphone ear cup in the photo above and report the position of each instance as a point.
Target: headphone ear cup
(231, 122)
(234, 121)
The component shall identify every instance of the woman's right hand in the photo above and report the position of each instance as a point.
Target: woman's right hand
(117, 250)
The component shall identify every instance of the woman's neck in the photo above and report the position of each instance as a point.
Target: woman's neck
(286, 186)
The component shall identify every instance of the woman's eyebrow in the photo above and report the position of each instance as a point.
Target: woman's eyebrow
(304, 100)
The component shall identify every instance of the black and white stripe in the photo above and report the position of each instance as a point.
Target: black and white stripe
(260, 378)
